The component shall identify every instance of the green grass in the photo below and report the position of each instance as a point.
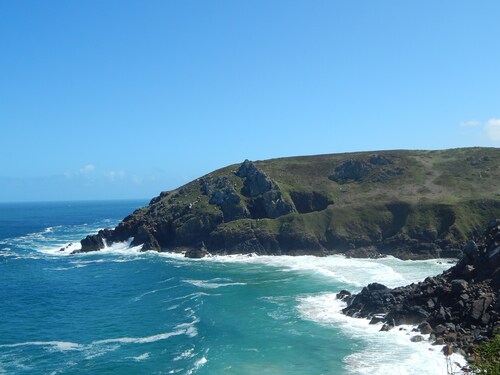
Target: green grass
(444, 194)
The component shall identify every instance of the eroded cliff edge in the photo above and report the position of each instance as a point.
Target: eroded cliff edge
(411, 204)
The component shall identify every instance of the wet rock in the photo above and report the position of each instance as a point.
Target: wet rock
(452, 308)
(343, 294)
(386, 327)
(425, 328)
(145, 238)
(197, 252)
(447, 350)
(95, 242)
(66, 247)
(417, 338)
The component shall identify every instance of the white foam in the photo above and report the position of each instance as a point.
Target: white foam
(384, 352)
(355, 272)
(56, 345)
(210, 284)
(185, 354)
(141, 357)
(199, 363)
(140, 340)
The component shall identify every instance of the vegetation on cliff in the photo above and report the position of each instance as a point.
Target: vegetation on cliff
(412, 204)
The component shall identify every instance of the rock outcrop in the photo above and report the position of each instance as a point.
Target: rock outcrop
(197, 252)
(460, 307)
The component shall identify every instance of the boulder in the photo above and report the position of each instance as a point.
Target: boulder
(343, 294)
(417, 338)
(197, 252)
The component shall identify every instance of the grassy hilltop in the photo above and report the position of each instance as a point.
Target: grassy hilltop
(412, 204)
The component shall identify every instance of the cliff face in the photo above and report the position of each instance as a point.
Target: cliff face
(411, 204)
(460, 307)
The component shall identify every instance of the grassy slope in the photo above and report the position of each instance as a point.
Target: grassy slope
(440, 196)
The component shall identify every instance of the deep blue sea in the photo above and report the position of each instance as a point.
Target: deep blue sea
(120, 311)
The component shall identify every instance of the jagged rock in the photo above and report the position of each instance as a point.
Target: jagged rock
(343, 294)
(256, 181)
(145, 238)
(453, 309)
(95, 242)
(223, 194)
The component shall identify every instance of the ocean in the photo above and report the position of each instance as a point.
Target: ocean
(120, 311)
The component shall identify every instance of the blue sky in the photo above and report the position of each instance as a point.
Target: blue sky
(122, 99)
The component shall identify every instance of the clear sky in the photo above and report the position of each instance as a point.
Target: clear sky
(123, 99)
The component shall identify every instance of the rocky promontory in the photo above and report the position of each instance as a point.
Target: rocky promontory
(460, 307)
(410, 204)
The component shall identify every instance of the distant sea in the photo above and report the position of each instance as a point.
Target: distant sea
(120, 311)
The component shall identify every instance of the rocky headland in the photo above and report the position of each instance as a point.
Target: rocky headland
(410, 204)
(459, 308)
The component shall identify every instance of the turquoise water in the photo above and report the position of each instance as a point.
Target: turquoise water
(124, 312)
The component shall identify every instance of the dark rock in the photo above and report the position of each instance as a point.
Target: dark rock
(145, 238)
(223, 194)
(386, 327)
(439, 341)
(66, 247)
(425, 328)
(270, 205)
(377, 319)
(447, 350)
(458, 286)
(471, 250)
(343, 294)
(379, 160)
(452, 308)
(197, 252)
(364, 252)
(350, 170)
(479, 306)
(96, 242)
(162, 195)
(416, 338)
